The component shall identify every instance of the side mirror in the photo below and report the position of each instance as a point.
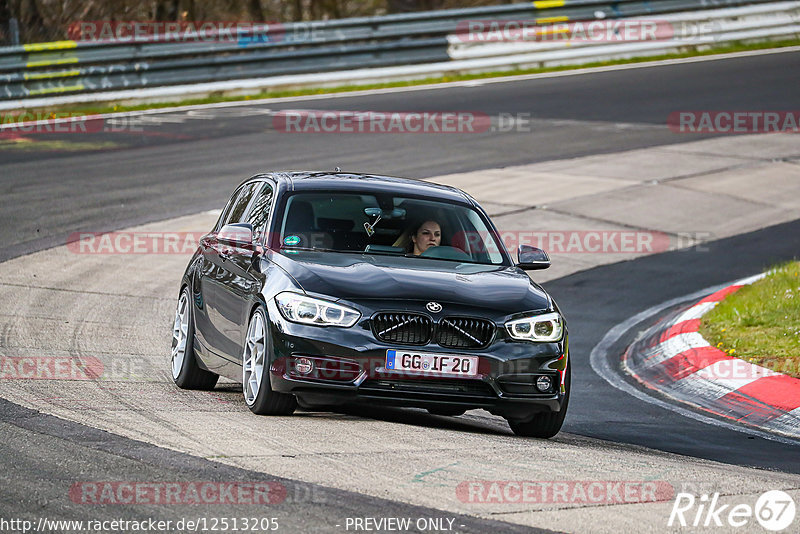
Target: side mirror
(239, 233)
(531, 258)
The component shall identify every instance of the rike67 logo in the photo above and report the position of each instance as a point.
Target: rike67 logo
(774, 510)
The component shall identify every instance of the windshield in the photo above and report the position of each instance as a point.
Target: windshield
(387, 224)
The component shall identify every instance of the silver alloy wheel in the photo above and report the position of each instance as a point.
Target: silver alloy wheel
(253, 358)
(180, 330)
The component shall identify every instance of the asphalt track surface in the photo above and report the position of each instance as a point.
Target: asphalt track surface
(47, 195)
(190, 166)
(51, 455)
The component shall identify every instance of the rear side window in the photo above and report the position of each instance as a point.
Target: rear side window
(239, 207)
(259, 213)
(225, 211)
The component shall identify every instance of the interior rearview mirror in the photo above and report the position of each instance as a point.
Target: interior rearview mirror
(396, 213)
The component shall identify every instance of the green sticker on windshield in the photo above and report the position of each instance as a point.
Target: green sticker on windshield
(291, 240)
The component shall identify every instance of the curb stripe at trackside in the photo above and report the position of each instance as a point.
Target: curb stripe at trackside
(706, 392)
(754, 410)
(778, 390)
(721, 294)
(673, 347)
(682, 364)
(695, 312)
(717, 371)
(689, 362)
(782, 430)
(789, 420)
(683, 327)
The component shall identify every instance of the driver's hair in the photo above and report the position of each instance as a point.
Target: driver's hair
(404, 240)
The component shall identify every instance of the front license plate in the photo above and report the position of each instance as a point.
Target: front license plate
(438, 364)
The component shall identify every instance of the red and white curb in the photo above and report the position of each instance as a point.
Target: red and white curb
(674, 359)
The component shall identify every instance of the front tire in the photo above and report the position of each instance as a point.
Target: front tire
(186, 373)
(547, 424)
(258, 394)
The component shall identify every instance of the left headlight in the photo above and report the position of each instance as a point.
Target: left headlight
(309, 310)
(547, 327)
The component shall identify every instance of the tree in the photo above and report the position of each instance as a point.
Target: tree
(50, 20)
(404, 6)
(5, 19)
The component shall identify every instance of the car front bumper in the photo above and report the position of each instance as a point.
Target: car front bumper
(349, 365)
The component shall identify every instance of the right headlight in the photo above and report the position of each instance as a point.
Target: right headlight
(318, 312)
(547, 327)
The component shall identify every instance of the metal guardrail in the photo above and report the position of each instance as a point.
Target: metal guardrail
(68, 67)
(684, 29)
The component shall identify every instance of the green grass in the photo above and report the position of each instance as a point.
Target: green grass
(760, 323)
(97, 108)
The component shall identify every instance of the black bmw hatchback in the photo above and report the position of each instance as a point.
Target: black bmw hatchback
(329, 288)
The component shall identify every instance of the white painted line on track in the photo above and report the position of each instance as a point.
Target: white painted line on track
(598, 358)
(702, 389)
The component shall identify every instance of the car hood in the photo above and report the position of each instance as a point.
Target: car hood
(365, 276)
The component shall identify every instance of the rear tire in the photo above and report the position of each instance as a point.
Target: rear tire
(546, 424)
(186, 373)
(258, 394)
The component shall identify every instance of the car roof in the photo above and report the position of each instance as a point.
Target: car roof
(332, 181)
